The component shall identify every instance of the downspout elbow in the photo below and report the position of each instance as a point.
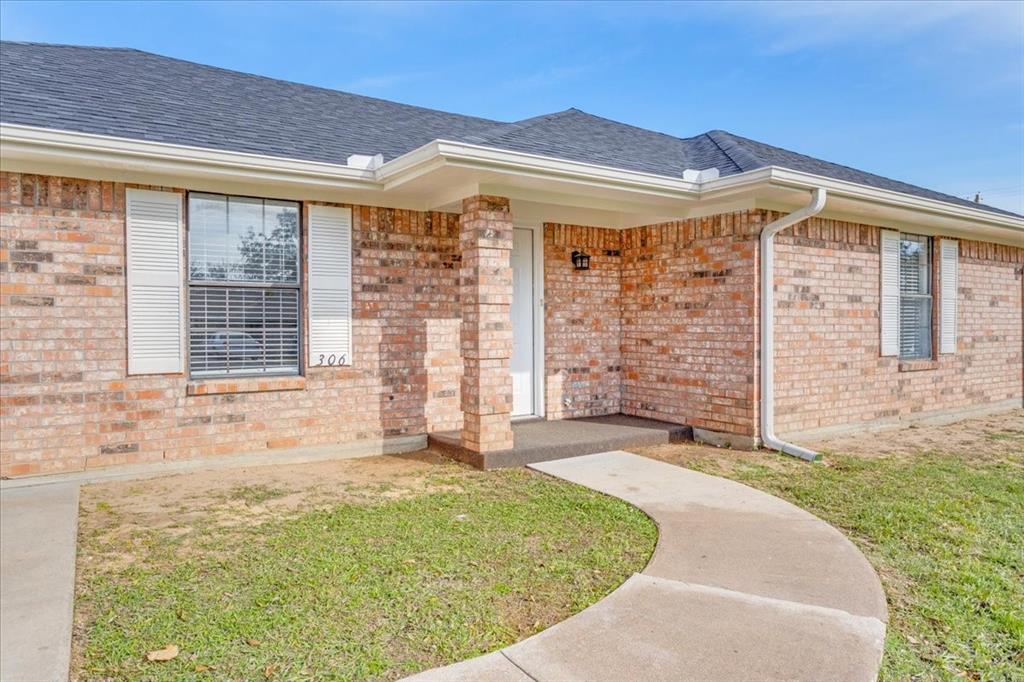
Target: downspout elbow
(768, 437)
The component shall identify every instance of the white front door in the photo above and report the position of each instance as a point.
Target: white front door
(522, 323)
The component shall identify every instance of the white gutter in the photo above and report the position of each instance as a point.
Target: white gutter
(768, 436)
(34, 144)
(784, 177)
(44, 144)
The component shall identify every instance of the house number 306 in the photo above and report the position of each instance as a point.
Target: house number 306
(332, 360)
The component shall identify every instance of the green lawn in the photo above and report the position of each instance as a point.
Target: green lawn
(356, 590)
(379, 581)
(944, 530)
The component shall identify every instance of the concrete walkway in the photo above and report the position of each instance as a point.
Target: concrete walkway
(38, 531)
(742, 586)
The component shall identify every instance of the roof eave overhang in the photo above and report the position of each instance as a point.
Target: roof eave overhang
(785, 178)
(411, 172)
(408, 167)
(18, 142)
(767, 182)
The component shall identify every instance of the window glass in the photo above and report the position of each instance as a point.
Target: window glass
(243, 331)
(251, 329)
(281, 245)
(915, 297)
(914, 272)
(241, 239)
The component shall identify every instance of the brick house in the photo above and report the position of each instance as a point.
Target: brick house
(197, 262)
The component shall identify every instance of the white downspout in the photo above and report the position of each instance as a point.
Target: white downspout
(768, 324)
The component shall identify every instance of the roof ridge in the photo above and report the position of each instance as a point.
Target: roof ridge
(628, 125)
(501, 132)
(504, 129)
(741, 156)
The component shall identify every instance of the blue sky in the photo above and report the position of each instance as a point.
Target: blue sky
(929, 93)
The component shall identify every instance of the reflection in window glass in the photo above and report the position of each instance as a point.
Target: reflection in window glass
(241, 239)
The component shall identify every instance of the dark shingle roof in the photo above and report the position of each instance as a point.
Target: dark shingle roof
(127, 93)
(579, 136)
(763, 154)
(139, 95)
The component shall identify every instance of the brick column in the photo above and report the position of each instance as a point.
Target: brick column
(486, 297)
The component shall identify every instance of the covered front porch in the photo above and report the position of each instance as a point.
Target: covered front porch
(577, 339)
(542, 440)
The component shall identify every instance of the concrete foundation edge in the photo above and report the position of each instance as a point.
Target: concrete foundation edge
(929, 418)
(720, 439)
(301, 455)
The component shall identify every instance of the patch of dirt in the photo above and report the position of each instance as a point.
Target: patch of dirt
(700, 457)
(988, 438)
(991, 438)
(252, 494)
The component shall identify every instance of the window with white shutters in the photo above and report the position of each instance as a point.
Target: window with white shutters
(915, 280)
(243, 286)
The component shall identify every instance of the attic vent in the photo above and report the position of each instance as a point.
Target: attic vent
(365, 162)
(691, 175)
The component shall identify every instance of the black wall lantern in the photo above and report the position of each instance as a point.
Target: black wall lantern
(580, 260)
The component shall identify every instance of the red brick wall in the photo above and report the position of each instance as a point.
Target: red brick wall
(689, 296)
(486, 236)
(582, 328)
(663, 325)
(828, 364)
(66, 402)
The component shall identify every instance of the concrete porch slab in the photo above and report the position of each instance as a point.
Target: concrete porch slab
(38, 532)
(539, 440)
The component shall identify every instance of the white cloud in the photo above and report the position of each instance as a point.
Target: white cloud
(794, 26)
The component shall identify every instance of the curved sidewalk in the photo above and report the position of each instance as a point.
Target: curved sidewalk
(742, 586)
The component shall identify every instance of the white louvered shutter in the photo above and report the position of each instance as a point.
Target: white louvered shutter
(330, 286)
(948, 252)
(889, 313)
(154, 278)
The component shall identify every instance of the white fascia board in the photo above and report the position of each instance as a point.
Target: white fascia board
(783, 177)
(26, 142)
(409, 166)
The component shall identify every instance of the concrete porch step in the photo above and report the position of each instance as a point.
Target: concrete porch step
(540, 440)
